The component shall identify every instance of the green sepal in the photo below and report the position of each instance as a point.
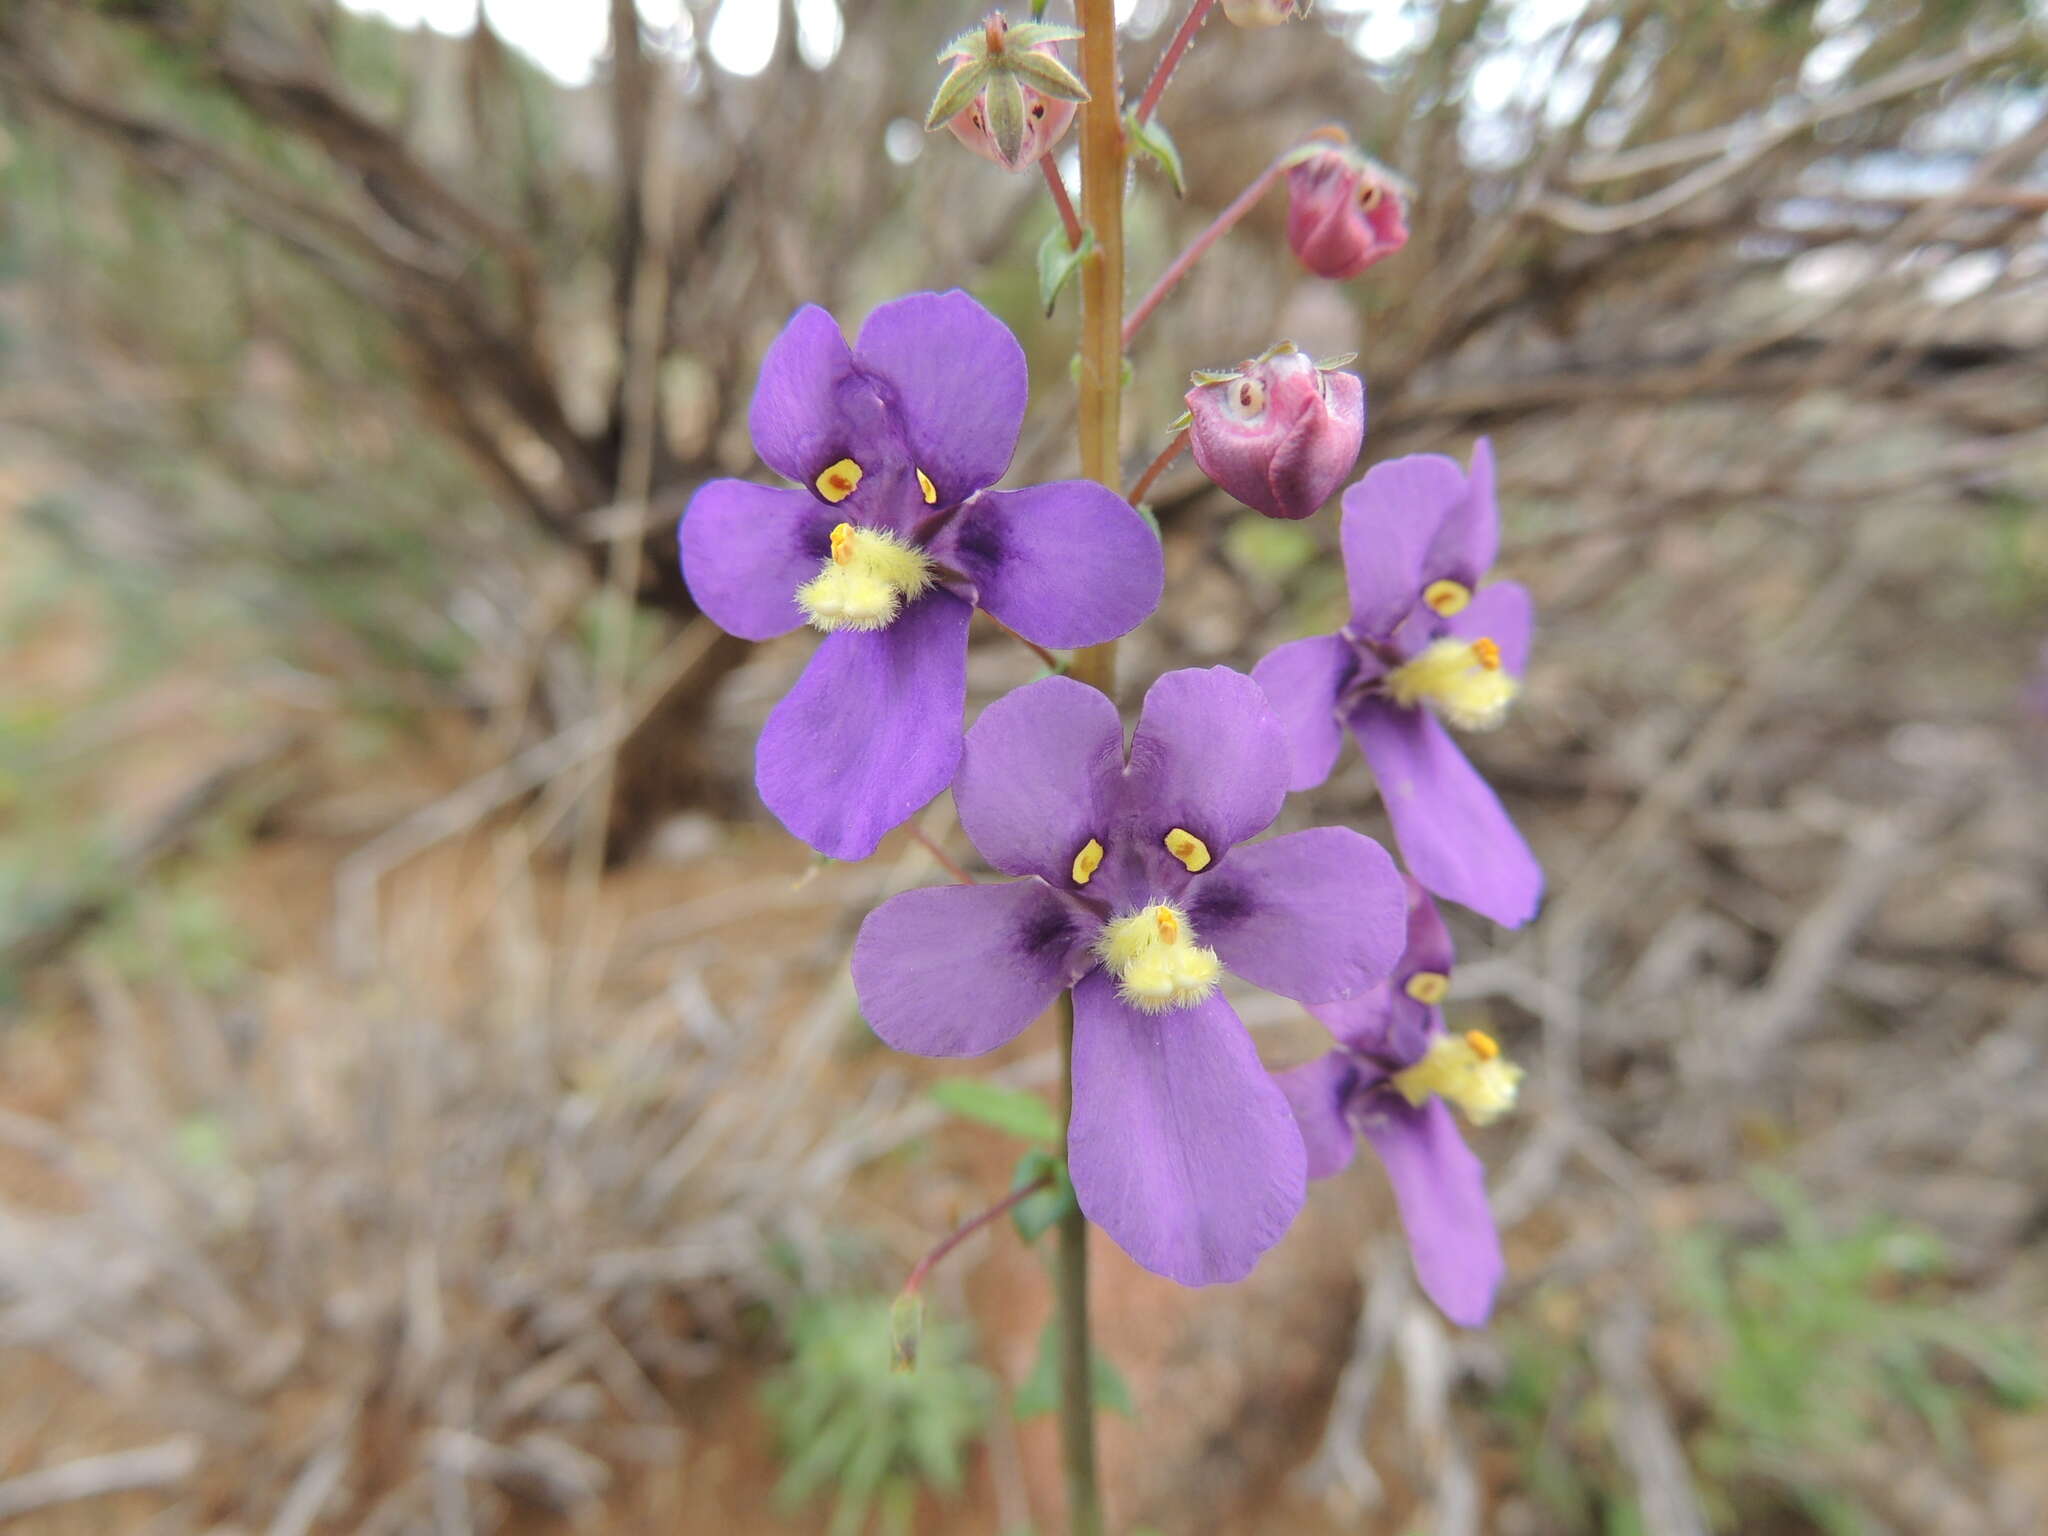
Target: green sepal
(1039, 1393)
(1214, 375)
(956, 91)
(1005, 106)
(1046, 75)
(1009, 1110)
(1182, 422)
(1058, 262)
(1144, 510)
(1035, 33)
(906, 1331)
(1155, 141)
(1336, 360)
(1035, 1213)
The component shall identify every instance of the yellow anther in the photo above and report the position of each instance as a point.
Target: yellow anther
(1087, 861)
(1428, 987)
(1189, 849)
(1444, 598)
(838, 481)
(865, 581)
(1156, 961)
(1462, 680)
(931, 492)
(1467, 1070)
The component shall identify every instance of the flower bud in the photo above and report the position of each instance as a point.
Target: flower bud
(1008, 98)
(1264, 13)
(1280, 433)
(1343, 212)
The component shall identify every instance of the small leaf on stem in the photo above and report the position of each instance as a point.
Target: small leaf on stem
(1058, 262)
(1009, 1110)
(1158, 143)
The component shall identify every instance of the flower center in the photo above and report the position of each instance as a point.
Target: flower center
(1469, 1071)
(865, 581)
(1462, 680)
(1156, 961)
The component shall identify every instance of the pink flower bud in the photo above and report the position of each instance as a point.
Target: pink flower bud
(1343, 213)
(1028, 96)
(1264, 13)
(1280, 433)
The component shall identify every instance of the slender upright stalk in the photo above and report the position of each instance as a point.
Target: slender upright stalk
(1056, 185)
(1169, 60)
(1070, 1290)
(1158, 467)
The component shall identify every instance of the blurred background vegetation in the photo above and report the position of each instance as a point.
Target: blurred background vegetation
(431, 1098)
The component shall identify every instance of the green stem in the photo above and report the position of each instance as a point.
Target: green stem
(1102, 369)
(1077, 1377)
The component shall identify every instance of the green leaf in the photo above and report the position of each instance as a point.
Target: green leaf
(1007, 1109)
(1155, 141)
(1004, 102)
(1039, 1393)
(1046, 75)
(1032, 33)
(1035, 1213)
(955, 93)
(1058, 262)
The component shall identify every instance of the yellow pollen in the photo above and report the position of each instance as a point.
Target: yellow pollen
(1444, 598)
(1467, 1070)
(1462, 680)
(1428, 987)
(1156, 961)
(930, 491)
(1189, 849)
(865, 581)
(1087, 861)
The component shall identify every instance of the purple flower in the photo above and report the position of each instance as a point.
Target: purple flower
(888, 543)
(1280, 433)
(1343, 212)
(1426, 644)
(1133, 890)
(1391, 1079)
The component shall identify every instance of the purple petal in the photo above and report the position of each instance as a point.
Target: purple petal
(1440, 1188)
(796, 418)
(1301, 681)
(1504, 614)
(1038, 777)
(956, 970)
(1317, 1092)
(1066, 564)
(747, 548)
(1454, 835)
(871, 731)
(1181, 1147)
(956, 380)
(1390, 519)
(1469, 536)
(1208, 756)
(1314, 915)
(1361, 1021)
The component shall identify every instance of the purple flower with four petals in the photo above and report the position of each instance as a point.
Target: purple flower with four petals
(1426, 645)
(1137, 888)
(888, 543)
(1392, 1078)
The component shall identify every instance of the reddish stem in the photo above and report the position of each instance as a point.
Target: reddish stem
(1057, 185)
(1169, 60)
(959, 875)
(1201, 243)
(1158, 467)
(960, 1235)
